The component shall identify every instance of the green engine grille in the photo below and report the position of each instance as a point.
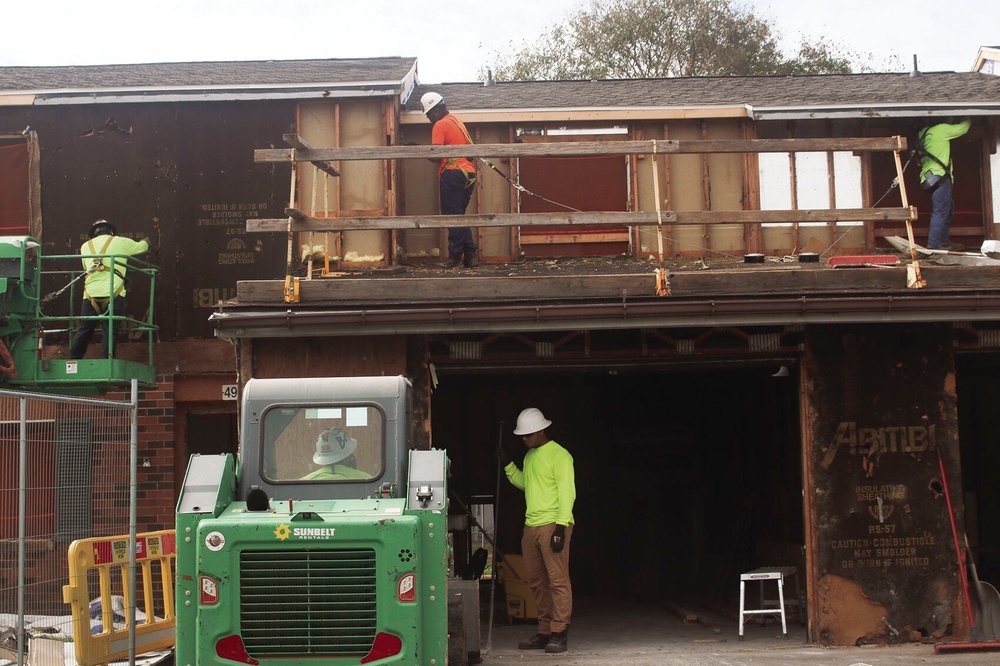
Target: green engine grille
(307, 602)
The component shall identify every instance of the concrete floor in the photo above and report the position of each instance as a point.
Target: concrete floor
(640, 636)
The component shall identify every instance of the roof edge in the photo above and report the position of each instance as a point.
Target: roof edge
(413, 117)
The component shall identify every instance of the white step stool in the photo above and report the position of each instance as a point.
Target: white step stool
(764, 574)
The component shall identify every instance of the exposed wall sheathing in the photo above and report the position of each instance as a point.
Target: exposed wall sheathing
(687, 189)
(419, 196)
(790, 181)
(363, 182)
(494, 196)
(724, 173)
(181, 175)
(648, 241)
(879, 409)
(319, 192)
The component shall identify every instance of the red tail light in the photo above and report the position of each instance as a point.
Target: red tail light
(232, 648)
(385, 645)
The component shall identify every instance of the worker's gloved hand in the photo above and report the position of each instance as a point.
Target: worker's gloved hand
(558, 539)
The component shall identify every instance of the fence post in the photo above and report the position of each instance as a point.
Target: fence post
(133, 516)
(22, 512)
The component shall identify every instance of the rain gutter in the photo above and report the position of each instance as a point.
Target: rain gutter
(899, 110)
(649, 313)
(199, 93)
(590, 114)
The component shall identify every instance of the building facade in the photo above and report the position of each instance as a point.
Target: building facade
(787, 413)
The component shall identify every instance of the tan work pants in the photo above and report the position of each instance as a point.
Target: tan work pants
(548, 575)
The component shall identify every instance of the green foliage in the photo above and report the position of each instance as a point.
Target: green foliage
(631, 39)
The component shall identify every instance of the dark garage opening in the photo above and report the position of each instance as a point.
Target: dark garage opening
(685, 478)
(978, 428)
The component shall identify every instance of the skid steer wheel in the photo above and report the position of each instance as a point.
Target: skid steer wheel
(457, 654)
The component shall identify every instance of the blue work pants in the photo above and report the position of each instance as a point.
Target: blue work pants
(78, 348)
(942, 212)
(456, 192)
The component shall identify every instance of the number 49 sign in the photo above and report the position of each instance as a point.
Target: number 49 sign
(229, 391)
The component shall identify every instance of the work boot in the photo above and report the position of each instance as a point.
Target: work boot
(557, 642)
(949, 246)
(451, 263)
(536, 642)
(471, 261)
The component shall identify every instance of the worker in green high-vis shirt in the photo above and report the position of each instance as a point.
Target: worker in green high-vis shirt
(937, 176)
(104, 286)
(549, 490)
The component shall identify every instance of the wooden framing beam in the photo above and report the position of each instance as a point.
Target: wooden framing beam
(298, 143)
(581, 148)
(785, 280)
(637, 218)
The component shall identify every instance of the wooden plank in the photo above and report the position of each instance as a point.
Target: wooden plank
(686, 615)
(762, 280)
(548, 239)
(797, 279)
(435, 289)
(579, 148)
(626, 218)
(298, 143)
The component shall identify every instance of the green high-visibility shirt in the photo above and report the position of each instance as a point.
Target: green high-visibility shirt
(105, 282)
(331, 472)
(548, 483)
(936, 140)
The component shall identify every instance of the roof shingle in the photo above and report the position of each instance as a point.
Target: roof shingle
(200, 74)
(957, 88)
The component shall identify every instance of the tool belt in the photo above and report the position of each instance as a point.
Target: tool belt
(932, 181)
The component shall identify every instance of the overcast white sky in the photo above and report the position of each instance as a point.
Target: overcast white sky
(451, 40)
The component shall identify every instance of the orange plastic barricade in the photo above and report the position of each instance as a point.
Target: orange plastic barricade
(98, 582)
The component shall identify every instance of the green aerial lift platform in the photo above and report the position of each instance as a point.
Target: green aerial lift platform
(27, 318)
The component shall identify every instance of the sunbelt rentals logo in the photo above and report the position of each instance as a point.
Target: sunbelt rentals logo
(283, 532)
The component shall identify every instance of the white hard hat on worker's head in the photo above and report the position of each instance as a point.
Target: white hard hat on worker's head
(430, 100)
(531, 420)
(332, 446)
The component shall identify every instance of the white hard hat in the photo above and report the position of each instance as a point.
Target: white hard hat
(430, 100)
(332, 446)
(531, 420)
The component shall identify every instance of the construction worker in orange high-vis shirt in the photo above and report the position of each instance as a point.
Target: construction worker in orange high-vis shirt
(456, 176)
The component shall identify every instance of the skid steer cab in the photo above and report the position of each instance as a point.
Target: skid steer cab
(326, 539)
(40, 299)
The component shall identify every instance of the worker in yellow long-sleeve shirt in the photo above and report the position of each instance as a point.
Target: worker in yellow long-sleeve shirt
(549, 490)
(105, 283)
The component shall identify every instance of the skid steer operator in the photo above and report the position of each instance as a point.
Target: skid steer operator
(335, 452)
(549, 492)
(105, 280)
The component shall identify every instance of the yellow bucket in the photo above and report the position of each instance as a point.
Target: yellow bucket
(520, 598)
